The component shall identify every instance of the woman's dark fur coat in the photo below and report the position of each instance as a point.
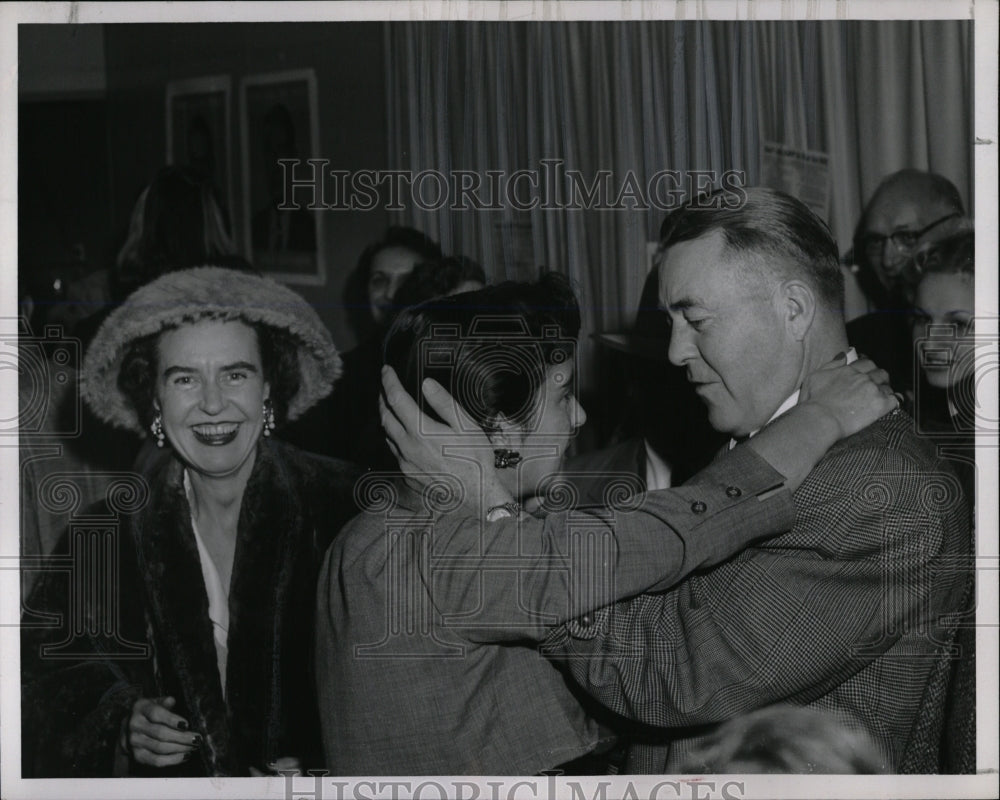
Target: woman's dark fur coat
(73, 708)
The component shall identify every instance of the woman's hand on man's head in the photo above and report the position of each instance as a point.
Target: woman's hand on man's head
(423, 447)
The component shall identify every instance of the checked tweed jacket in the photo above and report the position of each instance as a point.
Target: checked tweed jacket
(426, 619)
(847, 611)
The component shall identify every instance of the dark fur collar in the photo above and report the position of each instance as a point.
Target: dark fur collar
(275, 552)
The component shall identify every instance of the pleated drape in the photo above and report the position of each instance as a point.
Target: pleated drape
(640, 97)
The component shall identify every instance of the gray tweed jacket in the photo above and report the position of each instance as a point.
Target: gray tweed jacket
(847, 611)
(428, 621)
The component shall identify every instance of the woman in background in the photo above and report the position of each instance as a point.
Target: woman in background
(944, 308)
(946, 349)
(345, 425)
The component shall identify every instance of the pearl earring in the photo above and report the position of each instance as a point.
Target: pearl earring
(268, 417)
(157, 429)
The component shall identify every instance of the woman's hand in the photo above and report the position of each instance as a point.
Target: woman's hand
(835, 402)
(424, 447)
(852, 395)
(153, 735)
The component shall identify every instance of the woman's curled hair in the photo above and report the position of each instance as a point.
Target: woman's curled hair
(489, 348)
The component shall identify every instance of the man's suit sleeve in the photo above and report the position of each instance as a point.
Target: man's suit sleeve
(515, 579)
(786, 620)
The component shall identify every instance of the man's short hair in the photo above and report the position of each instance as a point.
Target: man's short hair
(787, 238)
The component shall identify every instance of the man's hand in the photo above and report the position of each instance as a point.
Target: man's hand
(852, 395)
(423, 446)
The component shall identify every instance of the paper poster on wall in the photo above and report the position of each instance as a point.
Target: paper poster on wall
(804, 174)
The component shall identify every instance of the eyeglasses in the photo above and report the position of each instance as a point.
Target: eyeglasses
(903, 241)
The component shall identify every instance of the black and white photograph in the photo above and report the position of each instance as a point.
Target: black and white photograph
(499, 400)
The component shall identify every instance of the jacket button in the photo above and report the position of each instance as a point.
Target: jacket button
(699, 507)
(586, 621)
(733, 491)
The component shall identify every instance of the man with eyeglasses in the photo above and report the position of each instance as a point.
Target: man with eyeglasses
(910, 209)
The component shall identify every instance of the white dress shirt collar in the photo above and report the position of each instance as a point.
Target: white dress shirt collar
(792, 400)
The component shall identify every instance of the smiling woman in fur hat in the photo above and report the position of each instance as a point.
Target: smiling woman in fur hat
(222, 557)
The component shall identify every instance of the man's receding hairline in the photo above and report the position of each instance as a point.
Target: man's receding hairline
(762, 272)
(918, 187)
(888, 201)
(750, 267)
(754, 263)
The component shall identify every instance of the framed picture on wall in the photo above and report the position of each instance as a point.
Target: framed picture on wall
(199, 133)
(279, 130)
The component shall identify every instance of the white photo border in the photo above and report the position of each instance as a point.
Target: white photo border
(985, 16)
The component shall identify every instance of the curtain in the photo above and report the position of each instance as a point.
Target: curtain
(637, 98)
(631, 99)
(876, 96)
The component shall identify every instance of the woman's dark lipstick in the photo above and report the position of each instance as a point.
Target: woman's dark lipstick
(216, 434)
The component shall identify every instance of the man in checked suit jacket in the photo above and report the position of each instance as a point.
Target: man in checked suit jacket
(847, 610)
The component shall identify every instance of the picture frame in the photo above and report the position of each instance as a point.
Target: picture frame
(279, 123)
(199, 132)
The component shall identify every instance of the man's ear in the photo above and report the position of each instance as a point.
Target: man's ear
(798, 308)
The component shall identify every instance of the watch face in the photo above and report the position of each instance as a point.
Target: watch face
(505, 511)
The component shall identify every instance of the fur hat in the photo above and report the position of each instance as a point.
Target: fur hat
(206, 292)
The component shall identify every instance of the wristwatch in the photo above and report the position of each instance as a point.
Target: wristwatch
(503, 511)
